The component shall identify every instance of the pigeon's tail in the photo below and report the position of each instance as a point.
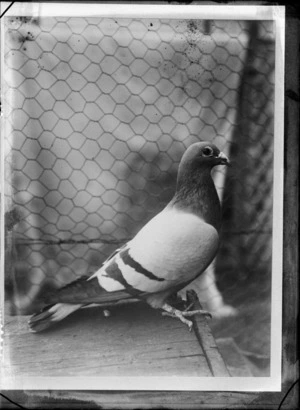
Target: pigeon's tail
(50, 315)
(62, 302)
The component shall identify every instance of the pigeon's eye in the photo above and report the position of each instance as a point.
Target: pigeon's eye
(207, 151)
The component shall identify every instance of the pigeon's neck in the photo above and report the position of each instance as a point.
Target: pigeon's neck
(196, 193)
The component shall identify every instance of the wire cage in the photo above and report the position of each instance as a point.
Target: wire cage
(98, 113)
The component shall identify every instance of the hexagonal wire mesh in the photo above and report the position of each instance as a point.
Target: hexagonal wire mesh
(99, 112)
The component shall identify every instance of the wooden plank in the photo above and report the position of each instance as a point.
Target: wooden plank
(135, 340)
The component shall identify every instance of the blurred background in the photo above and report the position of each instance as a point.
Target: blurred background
(98, 114)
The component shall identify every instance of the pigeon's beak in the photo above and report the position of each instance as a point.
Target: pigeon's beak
(223, 159)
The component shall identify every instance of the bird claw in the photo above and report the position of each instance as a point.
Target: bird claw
(182, 315)
(178, 315)
(197, 312)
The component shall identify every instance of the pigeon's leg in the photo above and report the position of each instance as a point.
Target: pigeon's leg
(181, 315)
(176, 313)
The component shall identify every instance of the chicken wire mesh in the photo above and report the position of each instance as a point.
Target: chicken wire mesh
(98, 113)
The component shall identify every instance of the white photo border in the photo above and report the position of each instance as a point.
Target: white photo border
(221, 12)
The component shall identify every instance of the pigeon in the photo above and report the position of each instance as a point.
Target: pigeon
(167, 254)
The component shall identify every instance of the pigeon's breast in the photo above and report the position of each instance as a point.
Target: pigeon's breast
(174, 247)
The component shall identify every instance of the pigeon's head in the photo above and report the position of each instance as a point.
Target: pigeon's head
(203, 155)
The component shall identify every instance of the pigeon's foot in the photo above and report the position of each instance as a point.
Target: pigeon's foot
(183, 314)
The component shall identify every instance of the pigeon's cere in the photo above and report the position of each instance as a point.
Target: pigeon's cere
(168, 253)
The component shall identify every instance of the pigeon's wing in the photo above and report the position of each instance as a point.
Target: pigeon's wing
(87, 289)
(172, 249)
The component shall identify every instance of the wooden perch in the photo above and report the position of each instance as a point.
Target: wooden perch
(135, 340)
